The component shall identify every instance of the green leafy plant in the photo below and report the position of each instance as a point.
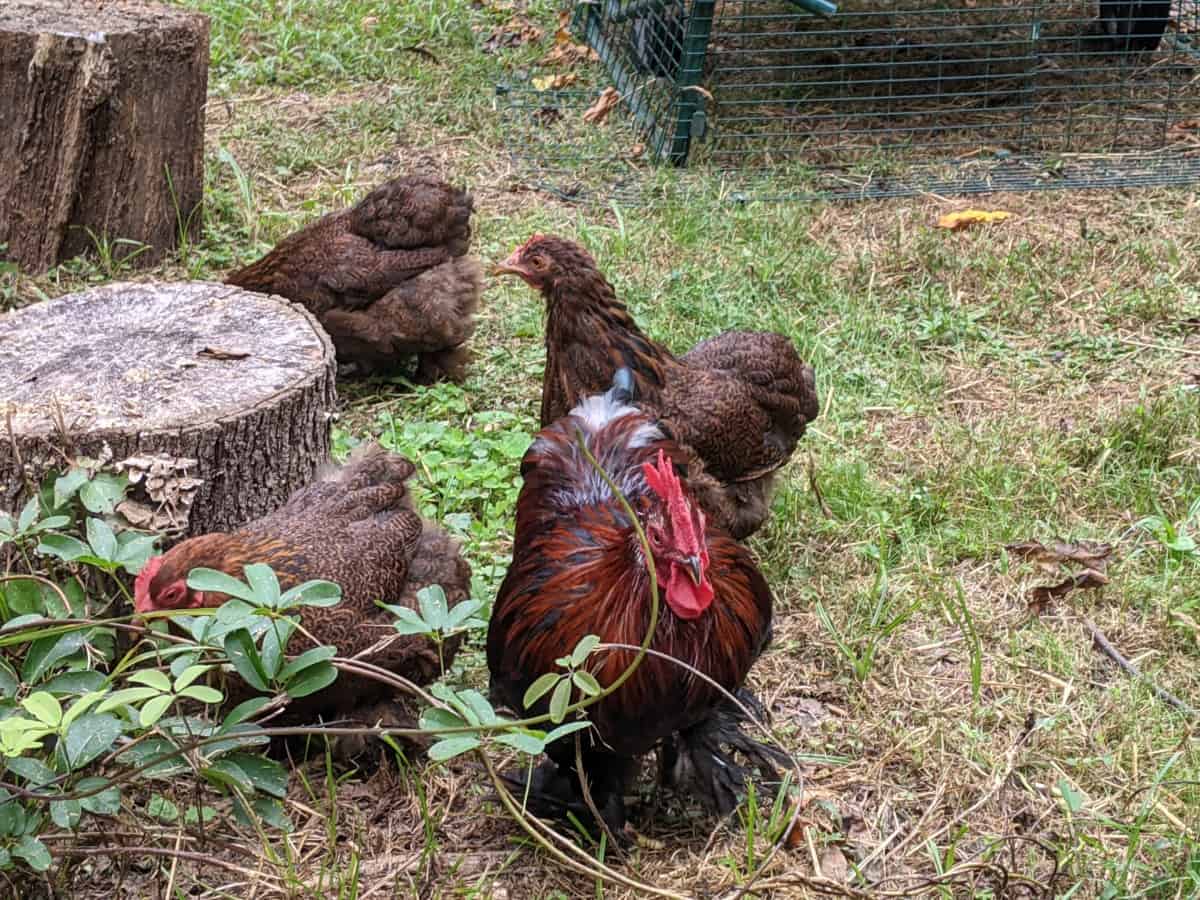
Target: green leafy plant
(435, 620)
(559, 685)
(1175, 537)
(75, 711)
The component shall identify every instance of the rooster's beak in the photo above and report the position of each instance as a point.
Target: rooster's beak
(695, 568)
(512, 266)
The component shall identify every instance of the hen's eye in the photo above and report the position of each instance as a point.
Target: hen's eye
(539, 262)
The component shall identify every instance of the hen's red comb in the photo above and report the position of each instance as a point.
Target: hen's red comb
(664, 482)
(142, 601)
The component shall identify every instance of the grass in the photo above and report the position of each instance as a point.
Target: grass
(1037, 379)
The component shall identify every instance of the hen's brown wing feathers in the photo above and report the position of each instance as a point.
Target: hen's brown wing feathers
(430, 314)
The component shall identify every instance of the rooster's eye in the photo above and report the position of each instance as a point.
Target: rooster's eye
(655, 535)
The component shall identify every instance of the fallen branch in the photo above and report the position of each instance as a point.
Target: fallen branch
(1105, 646)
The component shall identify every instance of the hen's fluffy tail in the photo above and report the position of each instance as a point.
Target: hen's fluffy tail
(701, 760)
(370, 465)
(415, 211)
(370, 483)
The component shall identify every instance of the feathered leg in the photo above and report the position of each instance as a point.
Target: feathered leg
(701, 760)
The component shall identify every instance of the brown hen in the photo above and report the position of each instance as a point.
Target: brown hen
(388, 277)
(354, 526)
(739, 401)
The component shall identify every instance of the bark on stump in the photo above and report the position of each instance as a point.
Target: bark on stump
(217, 401)
(101, 126)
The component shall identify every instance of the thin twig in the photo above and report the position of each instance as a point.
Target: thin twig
(586, 790)
(1010, 763)
(1104, 645)
(1186, 351)
(203, 858)
(816, 489)
(30, 488)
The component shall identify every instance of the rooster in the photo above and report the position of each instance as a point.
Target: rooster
(578, 568)
(739, 401)
(387, 277)
(354, 526)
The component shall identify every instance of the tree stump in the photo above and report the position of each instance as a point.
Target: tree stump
(101, 127)
(215, 400)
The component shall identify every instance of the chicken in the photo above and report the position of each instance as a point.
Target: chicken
(355, 526)
(1133, 27)
(578, 569)
(739, 401)
(387, 277)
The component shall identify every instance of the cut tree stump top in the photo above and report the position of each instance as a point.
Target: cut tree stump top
(83, 17)
(149, 357)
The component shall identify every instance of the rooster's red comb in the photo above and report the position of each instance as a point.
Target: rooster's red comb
(664, 482)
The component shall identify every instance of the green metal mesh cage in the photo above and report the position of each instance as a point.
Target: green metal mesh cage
(871, 98)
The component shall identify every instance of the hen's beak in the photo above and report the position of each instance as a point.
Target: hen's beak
(695, 568)
(512, 266)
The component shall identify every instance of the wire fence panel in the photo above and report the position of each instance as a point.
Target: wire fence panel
(871, 98)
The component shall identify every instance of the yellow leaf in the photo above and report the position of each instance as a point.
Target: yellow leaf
(963, 218)
(555, 82)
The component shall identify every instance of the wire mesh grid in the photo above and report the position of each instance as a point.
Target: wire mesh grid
(873, 98)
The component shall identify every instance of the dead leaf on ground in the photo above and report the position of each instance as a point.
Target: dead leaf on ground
(1041, 597)
(568, 55)
(1056, 555)
(516, 31)
(547, 115)
(369, 23)
(598, 111)
(1185, 128)
(555, 82)
(566, 52)
(963, 218)
(219, 354)
(636, 151)
(1089, 554)
(834, 865)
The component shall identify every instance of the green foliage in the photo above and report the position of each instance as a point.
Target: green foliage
(860, 641)
(74, 710)
(468, 474)
(558, 685)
